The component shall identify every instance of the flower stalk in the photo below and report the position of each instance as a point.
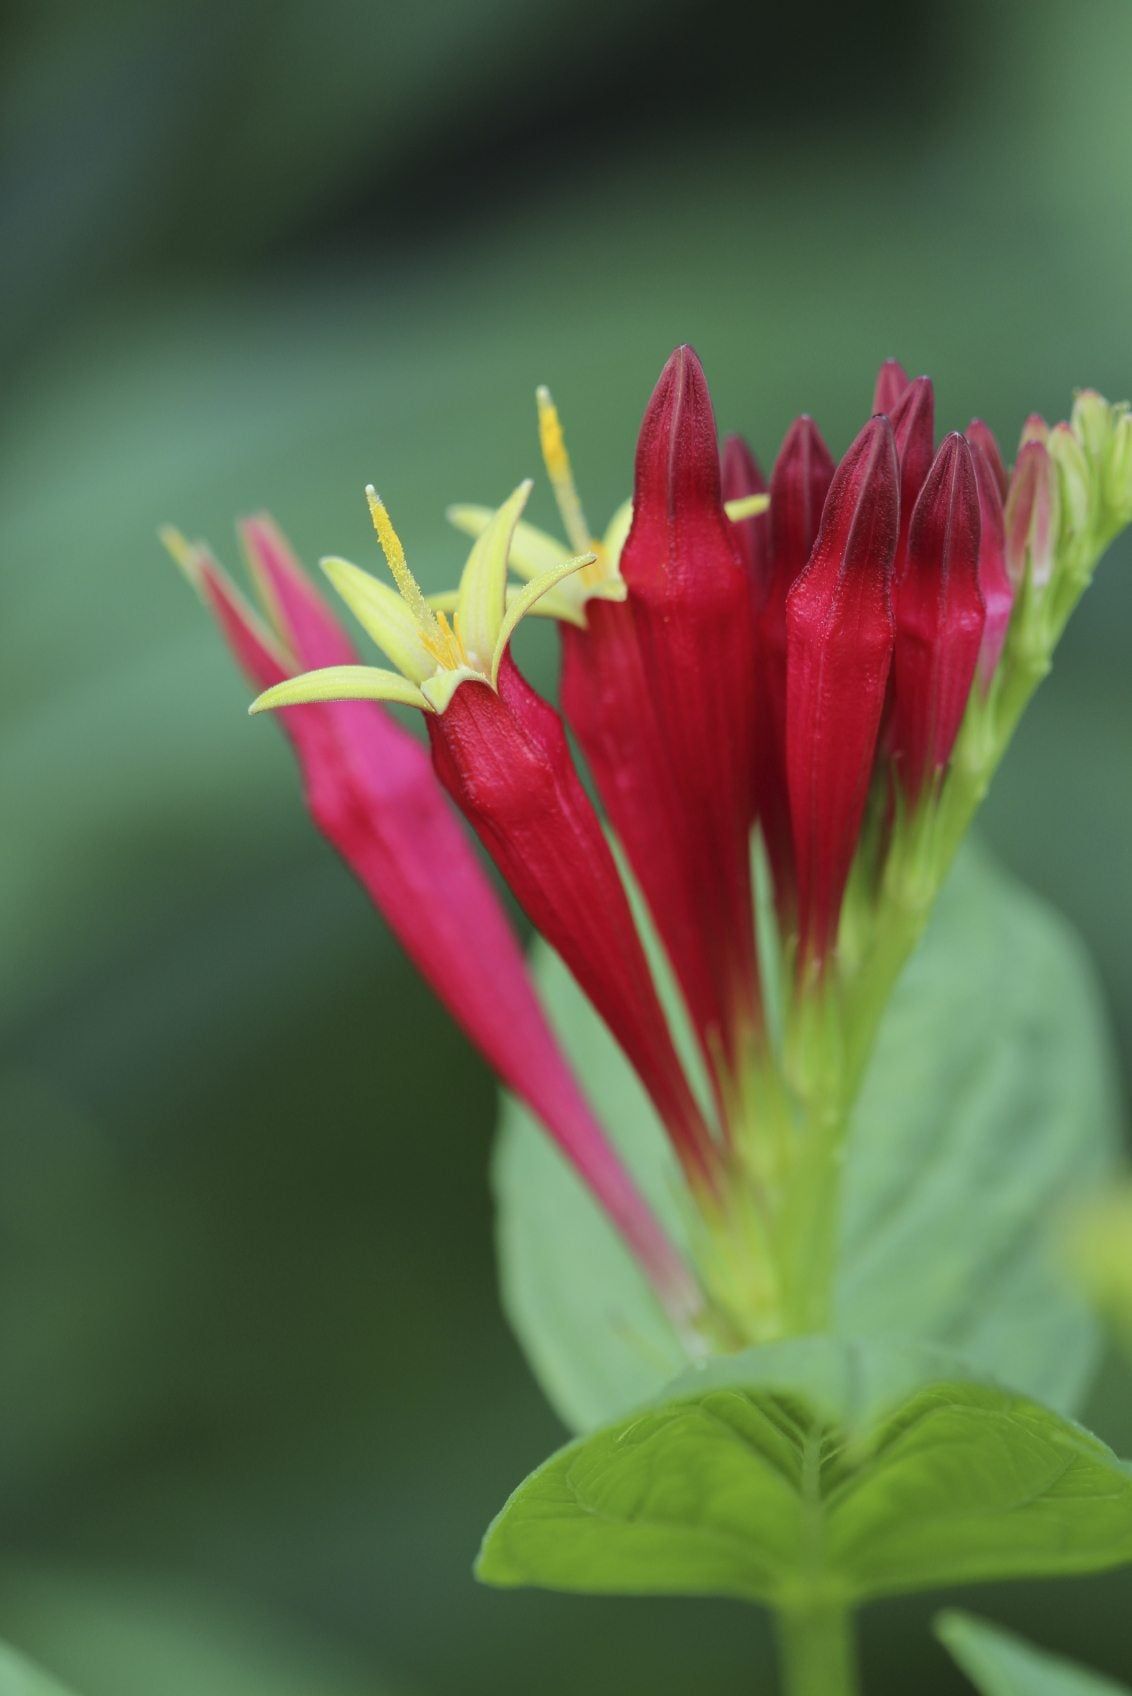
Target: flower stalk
(817, 1651)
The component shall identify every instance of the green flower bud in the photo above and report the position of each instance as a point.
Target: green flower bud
(1078, 484)
(1092, 419)
(1118, 467)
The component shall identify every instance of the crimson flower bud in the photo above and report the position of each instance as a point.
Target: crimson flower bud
(1032, 516)
(892, 380)
(690, 601)
(799, 484)
(981, 435)
(994, 579)
(940, 616)
(913, 425)
(740, 475)
(839, 637)
(608, 706)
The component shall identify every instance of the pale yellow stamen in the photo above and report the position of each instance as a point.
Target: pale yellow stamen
(395, 559)
(446, 647)
(557, 462)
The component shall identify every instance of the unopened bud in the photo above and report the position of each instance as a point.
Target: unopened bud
(839, 636)
(1077, 503)
(980, 435)
(892, 380)
(913, 427)
(740, 476)
(940, 617)
(1092, 419)
(994, 580)
(1035, 429)
(1032, 517)
(1118, 468)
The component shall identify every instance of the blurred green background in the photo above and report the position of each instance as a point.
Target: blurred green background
(257, 1401)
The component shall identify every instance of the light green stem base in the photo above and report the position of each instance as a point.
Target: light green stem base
(816, 1650)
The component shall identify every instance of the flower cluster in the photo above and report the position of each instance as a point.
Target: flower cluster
(790, 698)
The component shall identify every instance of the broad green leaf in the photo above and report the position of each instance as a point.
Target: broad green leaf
(1000, 1664)
(817, 1467)
(988, 1109)
(19, 1678)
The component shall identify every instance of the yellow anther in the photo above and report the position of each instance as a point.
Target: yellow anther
(551, 439)
(446, 647)
(395, 559)
(557, 462)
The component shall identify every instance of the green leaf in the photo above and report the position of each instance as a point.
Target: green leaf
(989, 1107)
(19, 1678)
(817, 1468)
(1000, 1664)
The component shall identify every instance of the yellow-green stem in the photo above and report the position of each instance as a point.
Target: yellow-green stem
(816, 1650)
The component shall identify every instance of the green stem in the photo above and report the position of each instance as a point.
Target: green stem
(816, 1650)
(807, 1244)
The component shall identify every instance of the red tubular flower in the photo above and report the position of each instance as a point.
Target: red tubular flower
(981, 435)
(690, 600)
(371, 791)
(799, 484)
(940, 616)
(892, 380)
(839, 639)
(994, 579)
(913, 424)
(741, 475)
(503, 755)
(608, 706)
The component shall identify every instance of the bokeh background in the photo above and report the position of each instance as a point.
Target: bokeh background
(257, 1401)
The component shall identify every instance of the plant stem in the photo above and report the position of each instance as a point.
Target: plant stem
(816, 1650)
